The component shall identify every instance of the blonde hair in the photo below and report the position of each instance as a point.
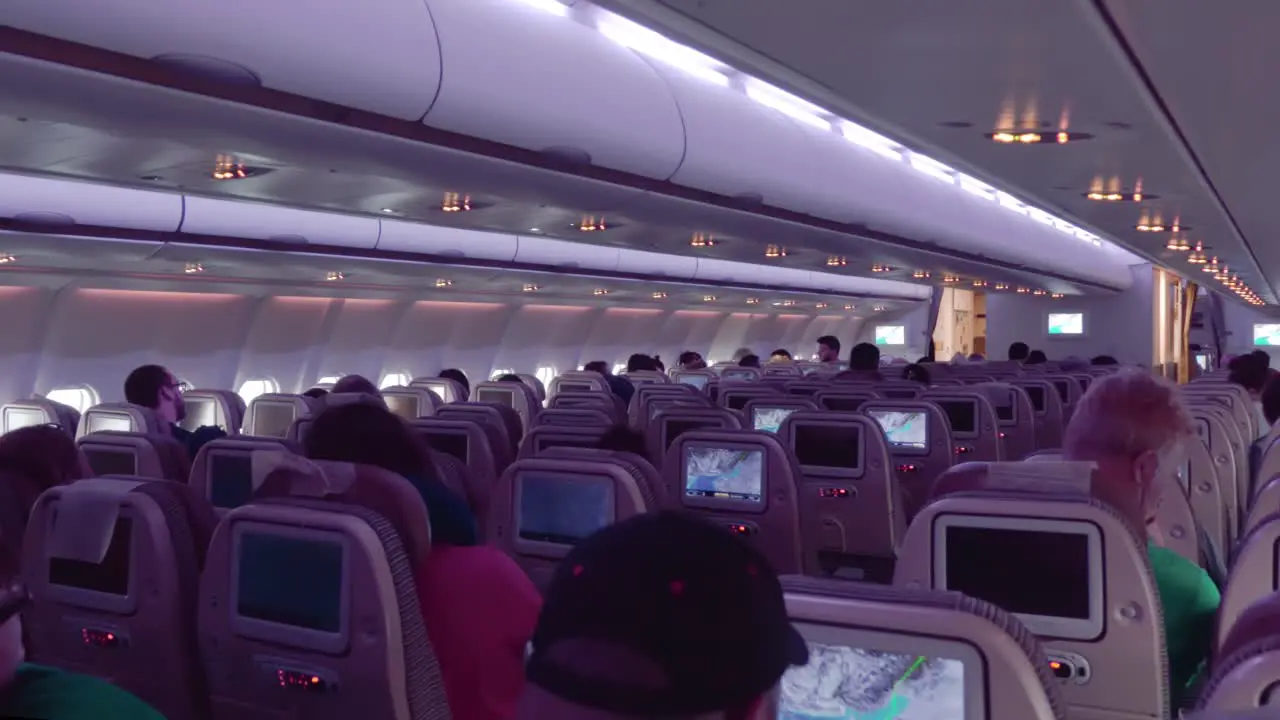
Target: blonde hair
(1126, 414)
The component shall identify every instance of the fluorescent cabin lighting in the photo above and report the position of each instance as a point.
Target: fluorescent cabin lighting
(647, 42)
(873, 141)
(551, 6)
(1010, 202)
(931, 167)
(976, 186)
(1041, 216)
(787, 104)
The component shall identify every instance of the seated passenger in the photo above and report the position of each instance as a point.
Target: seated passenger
(1104, 361)
(597, 366)
(371, 435)
(780, 355)
(641, 363)
(1037, 357)
(32, 460)
(657, 364)
(1133, 426)
(1250, 372)
(46, 693)
(509, 377)
(358, 384)
(459, 377)
(622, 438)
(478, 606)
(154, 387)
(1271, 402)
(690, 360)
(661, 616)
(621, 387)
(749, 361)
(916, 373)
(1019, 351)
(864, 364)
(315, 393)
(829, 349)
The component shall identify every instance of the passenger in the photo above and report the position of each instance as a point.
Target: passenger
(741, 353)
(641, 363)
(355, 384)
(36, 691)
(1133, 426)
(597, 366)
(315, 393)
(1270, 402)
(1104, 361)
(621, 387)
(1019, 351)
(154, 387)
(32, 460)
(916, 373)
(661, 616)
(780, 355)
(749, 361)
(690, 360)
(977, 357)
(1250, 372)
(479, 607)
(864, 364)
(509, 377)
(1263, 357)
(658, 365)
(459, 377)
(622, 438)
(829, 349)
(1037, 357)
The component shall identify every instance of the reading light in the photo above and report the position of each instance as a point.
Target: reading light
(788, 303)
(1118, 197)
(1157, 226)
(979, 283)
(5, 259)
(1178, 244)
(703, 240)
(708, 298)
(531, 288)
(753, 301)
(878, 308)
(389, 211)
(1023, 291)
(453, 202)
(950, 279)
(774, 251)
(837, 261)
(1037, 293)
(820, 306)
(1014, 137)
(647, 42)
(1211, 267)
(1057, 296)
(1197, 256)
(659, 296)
(442, 283)
(878, 268)
(334, 276)
(190, 269)
(591, 224)
(1002, 286)
(920, 274)
(599, 291)
(1222, 274)
(848, 307)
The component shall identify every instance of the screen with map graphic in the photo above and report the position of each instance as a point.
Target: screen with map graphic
(1066, 323)
(727, 473)
(852, 683)
(1265, 334)
(769, 419)
(891, 334)
(904, 429)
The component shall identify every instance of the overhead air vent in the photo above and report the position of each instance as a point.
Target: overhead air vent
(218, 70)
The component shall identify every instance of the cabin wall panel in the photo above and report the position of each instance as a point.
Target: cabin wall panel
(916, 333)
(282, 333)
(22, 330)
(1240, 320)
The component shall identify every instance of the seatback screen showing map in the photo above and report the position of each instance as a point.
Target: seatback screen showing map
(963, 414)
(852, 682)
(828, 446)
(563, 509)
(769, 419)
(698, 381)
(725, 473)
(909, 430)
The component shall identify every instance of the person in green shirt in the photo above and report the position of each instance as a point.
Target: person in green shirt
(36, 692)
(1134, 428)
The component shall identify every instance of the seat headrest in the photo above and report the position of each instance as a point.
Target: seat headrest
(86, 519)
(123, 417)
(1058, 477)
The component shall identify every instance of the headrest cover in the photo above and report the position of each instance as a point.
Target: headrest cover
(1052, 476)
(86, 519)
(302, 477)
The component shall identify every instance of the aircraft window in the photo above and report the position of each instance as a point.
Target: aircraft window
(329, 380)
(500, 372)
(619, 368)
(251, 389)
(394, 379)
(546, 374)
(80, 397)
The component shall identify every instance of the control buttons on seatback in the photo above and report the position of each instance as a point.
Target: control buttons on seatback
(742, 528)
(837, 492)
(1069, 667)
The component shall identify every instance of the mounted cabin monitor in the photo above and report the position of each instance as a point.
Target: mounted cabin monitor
(697, 381)
(905, 431)
(1068, 324)
(828, 450)
(497, 396)
(962, 414)
(891, 335)
(306, 607)
(724, 475)
(769, 419)
(562, 509)
(1266, 334)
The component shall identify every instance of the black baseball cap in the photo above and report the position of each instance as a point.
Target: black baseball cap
(700, 603)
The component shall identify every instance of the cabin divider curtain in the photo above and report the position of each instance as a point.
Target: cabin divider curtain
(935, 303)
(1188, 290)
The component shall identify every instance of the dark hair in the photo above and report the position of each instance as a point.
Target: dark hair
(1104, 360)
(781, 352)
(597, 366)
(1019, 351)
(639, 362)
(623, 438)
(749, 361)
(457, 376)
(1263, 356)
(687, 357)
(864, 356)
(1037, 357)
(658, 365)
(144, 384)
(1248, 371)
(315, 393)
(356, 384)
(917, 373)
(45, 455)
(1271, 400)
(369, 435)
(510, 377)
(830, 341)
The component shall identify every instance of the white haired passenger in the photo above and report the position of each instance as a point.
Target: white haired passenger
(1134, 427)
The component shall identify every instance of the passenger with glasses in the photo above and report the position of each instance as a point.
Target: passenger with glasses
(154, 387)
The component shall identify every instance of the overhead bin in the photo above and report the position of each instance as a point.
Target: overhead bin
(521, 76)
(374, 55)
(640, 262)
(735, 146)
(54, 201)
(729, 271)
(401, 236)
(258, 221)
(562, 253)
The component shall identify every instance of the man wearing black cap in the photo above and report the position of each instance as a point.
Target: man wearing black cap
(661, 616)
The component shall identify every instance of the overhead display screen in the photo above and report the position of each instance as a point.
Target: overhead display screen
(1066, 323)
(891, 334)
(1266, 334)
